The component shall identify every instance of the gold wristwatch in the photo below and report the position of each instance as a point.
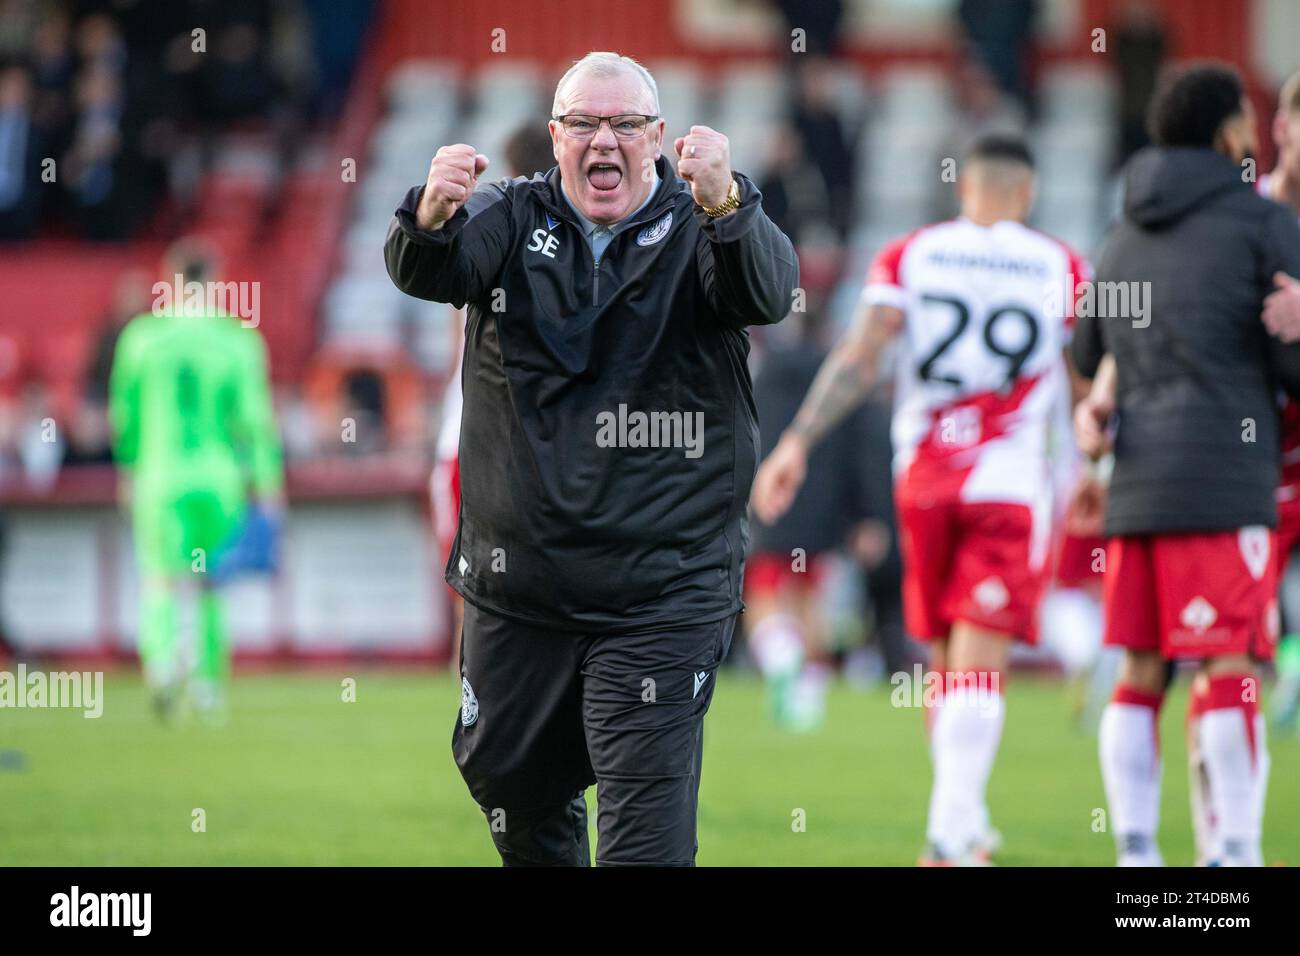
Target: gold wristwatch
(727, 205)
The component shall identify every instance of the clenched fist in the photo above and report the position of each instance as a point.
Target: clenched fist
(705, 164)
(452, 176)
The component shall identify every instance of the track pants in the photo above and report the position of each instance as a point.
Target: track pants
(546, 714)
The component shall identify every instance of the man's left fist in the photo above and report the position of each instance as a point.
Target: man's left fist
(705, 163)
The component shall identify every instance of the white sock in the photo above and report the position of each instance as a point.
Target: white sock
(1237, 773)
(815, 679)
(1072, 626)
(1198, 787)
(1263, 764)
(1130, 765)
(964, 742)
(777, 645)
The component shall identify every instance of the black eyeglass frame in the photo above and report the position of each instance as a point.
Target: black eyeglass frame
(649, 118)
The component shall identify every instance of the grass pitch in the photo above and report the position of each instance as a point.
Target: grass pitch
(298, 776)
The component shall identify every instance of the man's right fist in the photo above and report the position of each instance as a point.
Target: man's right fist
(452, 176)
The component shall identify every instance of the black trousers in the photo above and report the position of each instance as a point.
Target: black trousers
(546, 714)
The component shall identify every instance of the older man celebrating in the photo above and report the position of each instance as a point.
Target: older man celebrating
(607, 449)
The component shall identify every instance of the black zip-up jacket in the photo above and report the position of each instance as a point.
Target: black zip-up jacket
(570, 516)
(1197, 445)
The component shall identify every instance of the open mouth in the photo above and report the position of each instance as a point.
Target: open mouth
(604, 176)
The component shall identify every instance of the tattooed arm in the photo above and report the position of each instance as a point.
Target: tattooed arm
(848, 373)
(841, 384)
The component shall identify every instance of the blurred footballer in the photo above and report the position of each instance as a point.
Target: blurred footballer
(979, 376)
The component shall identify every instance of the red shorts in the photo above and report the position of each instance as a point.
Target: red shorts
(1080, 561)
(770, 572)
(968, 562)
(1288, 532)
(445, 490)
(1193, 595)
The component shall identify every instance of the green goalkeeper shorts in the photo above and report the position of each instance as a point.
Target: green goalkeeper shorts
(179, 531)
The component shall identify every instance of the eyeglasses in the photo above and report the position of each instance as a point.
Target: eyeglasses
(624, 126)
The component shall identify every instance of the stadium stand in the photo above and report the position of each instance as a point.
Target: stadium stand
(266, 177)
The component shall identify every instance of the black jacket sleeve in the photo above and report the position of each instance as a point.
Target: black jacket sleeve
(459, 262)
(1087, 347)
(747, 265)
(1281, 246)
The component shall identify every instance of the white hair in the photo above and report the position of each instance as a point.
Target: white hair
(605, 64)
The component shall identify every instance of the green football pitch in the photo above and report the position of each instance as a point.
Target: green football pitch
(299, 776)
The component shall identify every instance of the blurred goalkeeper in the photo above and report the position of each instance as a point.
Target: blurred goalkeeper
(194, 433)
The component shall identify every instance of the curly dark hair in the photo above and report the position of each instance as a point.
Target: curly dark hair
(1192, 104)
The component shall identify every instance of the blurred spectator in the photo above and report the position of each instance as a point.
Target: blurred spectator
(132, 295)
(39, 442)
(982, 108)
(366, 405)
(794, 192)
(1001, 33)
(95, 171)
(300, 427)
(9, 427)
(825, 143)
(237, 82)
(133, 101)
(528, 151)
(338, 28)
(18, 18)
(819, 21)
(100, 43)
(1140, 44)
(22, 146)
(53, 67)
(89, 439)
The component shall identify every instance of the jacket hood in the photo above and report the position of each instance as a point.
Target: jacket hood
(670, 189)
(1164, 184)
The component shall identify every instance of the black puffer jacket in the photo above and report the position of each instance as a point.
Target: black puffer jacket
(1197, 443)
